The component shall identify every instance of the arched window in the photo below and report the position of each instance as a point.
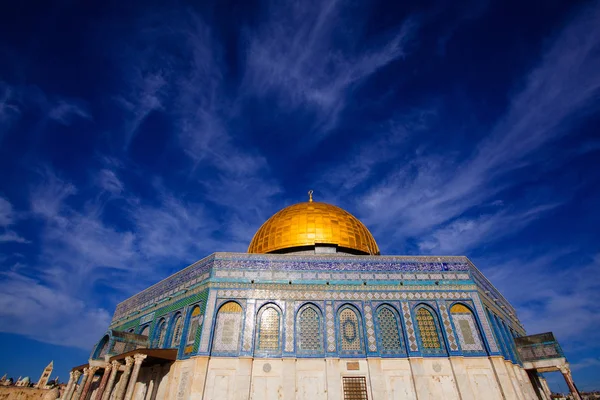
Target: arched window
(349, 331)
(390, 337)
(309, 336)
(196, 319)
(160, 334)
(428, 331)
(103, 348)
(228, 328)
(268, 329)
(466, 328)
(177, 329)
(145, 330)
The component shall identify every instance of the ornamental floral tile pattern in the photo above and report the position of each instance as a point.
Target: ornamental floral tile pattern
(489, 336)
(389, 332)
(210, 309)
(309, 338)
(448, 328)
(410, 330)
(371, 341)
(467, 332)
(330, 327)
(249, 322)
(289, 326)
(349, 330)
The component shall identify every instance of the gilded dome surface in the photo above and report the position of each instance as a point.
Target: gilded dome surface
(310, 223)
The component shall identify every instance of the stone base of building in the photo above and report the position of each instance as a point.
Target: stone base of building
(27, 393)
(214, 378)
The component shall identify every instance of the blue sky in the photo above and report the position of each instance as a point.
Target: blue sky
(137, 138)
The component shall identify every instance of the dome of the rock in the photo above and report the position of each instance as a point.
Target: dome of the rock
(310, 224)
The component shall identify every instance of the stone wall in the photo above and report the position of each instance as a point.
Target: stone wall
(21, 393)
(418, 378)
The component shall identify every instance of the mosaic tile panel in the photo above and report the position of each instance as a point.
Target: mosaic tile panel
(349, 331)
(210, 310)
(448, 328)
(330, 327)
(177, 330)
(410, 330)
(467, 332)
(195, 322)
(289, 326)
(341, 293)
(229, 325)
(371, 341)
(427, 329)
(310, 338)
(389, 333)
(489, 336)
(162, 333)
(249, 321)
(268, 333)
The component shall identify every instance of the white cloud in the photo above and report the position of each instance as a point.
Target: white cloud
(11, 236)
(7, 218)
(463, 234)
(6, 212)
(48, 314)
(429, 188)
(291, 55)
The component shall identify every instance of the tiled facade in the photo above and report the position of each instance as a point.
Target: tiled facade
(307, 306)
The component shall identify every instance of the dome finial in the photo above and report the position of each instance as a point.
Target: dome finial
(310, 192)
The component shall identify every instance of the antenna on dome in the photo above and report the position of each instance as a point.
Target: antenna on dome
(310, 192)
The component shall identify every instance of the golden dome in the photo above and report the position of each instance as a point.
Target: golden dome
(310, 223)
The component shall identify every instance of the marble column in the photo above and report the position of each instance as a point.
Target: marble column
(124, 379)
(103, 382)
(88, 384)
(566, 372)
(70, 389)
(79, 390)
(111, 381)
(69, 384)
(139, 358)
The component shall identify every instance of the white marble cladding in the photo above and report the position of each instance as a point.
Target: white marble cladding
(333, 276)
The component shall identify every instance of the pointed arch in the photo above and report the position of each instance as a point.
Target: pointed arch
(145, 331)
(350, 337)
(102, 348)
(309, 330)
(389, 331)
(160, 333)
(228, 328)
(196, 319)
(428, 327)
(269, 329)
(176, 330)
(467, 328)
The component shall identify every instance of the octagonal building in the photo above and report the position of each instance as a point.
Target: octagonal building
(312, 311)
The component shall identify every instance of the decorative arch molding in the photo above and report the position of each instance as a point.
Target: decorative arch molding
(102, 347)
(269, 329)
(160, 333)
(350, 335)
(175, 329)
(429, 333)
(390, 335)
(195, 320)
(309, 330)
(467, 327)
(227, 336)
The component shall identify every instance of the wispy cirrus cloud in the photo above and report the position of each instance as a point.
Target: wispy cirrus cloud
(312, 54)
(429, 189)
(7, 219)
